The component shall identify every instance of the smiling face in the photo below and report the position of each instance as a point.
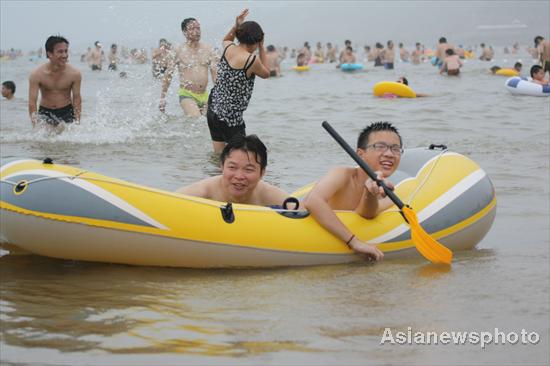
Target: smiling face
(193, 31)
(539, 75)
(240, 174)
(60, 54)
(383, 161)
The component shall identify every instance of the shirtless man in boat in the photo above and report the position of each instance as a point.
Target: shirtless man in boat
(346, 188)
(193, 59)
(59, 86)
(243, 162)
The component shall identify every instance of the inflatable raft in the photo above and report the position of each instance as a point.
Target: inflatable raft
(521, 85)
(68, 212)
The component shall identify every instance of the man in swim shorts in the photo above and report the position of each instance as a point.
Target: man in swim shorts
(59, 86)
(193, 59)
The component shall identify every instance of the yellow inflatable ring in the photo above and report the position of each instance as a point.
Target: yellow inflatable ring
(507, 72)
(384, 88)
(301, 68)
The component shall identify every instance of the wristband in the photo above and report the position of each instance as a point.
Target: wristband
(350, 239)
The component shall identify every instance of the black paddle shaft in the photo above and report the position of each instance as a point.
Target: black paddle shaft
(362, 164)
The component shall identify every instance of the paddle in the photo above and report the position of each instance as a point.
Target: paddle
(425, 244)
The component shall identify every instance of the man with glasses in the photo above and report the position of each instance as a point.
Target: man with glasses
(346, 188)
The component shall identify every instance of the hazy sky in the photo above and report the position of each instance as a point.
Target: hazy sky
(27, 24)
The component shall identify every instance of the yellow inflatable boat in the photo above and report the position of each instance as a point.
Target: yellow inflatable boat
(67, 212)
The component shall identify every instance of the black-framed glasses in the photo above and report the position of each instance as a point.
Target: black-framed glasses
(382, 147)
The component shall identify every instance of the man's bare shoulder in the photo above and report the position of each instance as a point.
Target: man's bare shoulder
(205, 188)
(73, 71)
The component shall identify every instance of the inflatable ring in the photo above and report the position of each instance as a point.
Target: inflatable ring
(507, 72)
(351, 67)
(521, 85)
(301, 68)
(393, 88)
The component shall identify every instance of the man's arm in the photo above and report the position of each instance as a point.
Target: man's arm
(374, 200)
(33, 97)
(77, 99)
(214, 59)
(258, 67)
(272, 195)
(317, 203)
(167, 79)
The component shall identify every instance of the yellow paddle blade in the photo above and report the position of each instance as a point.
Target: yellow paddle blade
(430, 248)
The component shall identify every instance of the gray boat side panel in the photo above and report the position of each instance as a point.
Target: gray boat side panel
(58, 197)
(411, 163)
(459, 209)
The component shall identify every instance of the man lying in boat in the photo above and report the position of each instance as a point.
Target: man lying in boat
(243, 163)
(346, 188)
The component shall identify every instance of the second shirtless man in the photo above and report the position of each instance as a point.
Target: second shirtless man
(193, 59)
(58, 84)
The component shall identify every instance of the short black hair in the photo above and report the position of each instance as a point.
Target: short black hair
(9, 85)
(185, 23)
(250, 143)
(449, 51)
(518, 64)
(52, 41)
(250, 33)
(535, 69)
(363, 138)
(537, 40)
(442, 40)
(270, 48)
(405, 81)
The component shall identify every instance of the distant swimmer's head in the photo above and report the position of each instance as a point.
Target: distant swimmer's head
(97, 44)
(538, 39)
(379, 45)
(482, 45)
(417, 44)
(403, 80)
(347, 43)
(8, 89)
(123, 75)
(400, 44)
(191, 29)
(537, 72)
(380, 146)
(57, 47)
(494, 69)
(518, 66)
(114, 47)
(367, 48)
(442, 40)
(250, 33)
(449, 52)
(390, 43)
(270, 48)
